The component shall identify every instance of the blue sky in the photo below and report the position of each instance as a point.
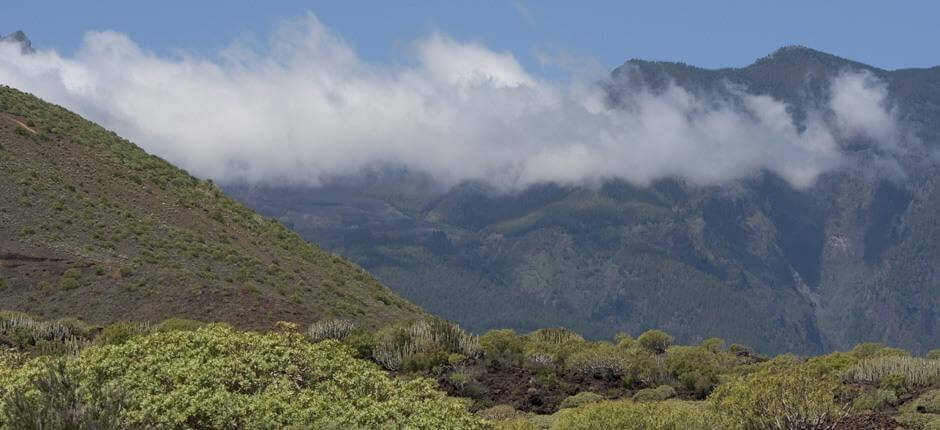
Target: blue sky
(709, 34)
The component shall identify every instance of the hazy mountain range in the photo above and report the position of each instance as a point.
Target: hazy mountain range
(771, 257)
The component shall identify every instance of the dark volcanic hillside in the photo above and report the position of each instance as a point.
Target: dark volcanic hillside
(854, 258)
(91, 226)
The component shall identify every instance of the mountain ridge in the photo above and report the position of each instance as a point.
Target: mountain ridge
(768, 265)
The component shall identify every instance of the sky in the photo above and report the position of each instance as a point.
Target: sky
(501, 92)
(703, 33)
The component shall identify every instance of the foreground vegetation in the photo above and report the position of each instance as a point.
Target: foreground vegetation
(431, 374)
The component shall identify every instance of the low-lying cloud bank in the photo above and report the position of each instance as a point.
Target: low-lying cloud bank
(307, 108)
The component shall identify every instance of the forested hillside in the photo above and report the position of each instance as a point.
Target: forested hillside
(91, 226)
(851, 258)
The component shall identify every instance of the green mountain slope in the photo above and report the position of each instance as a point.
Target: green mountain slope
(92, 226)
(852, 259)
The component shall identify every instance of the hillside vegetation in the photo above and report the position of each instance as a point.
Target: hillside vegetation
(184, 374)
(91, 226)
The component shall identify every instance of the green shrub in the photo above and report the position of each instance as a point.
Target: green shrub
(52, 400)
(697, 367)
(579, 399)
(933, 354)
(601, 360)
(927, 403)
(422, 345)
(624, 340)
(502, 345)
(330, 329)
(120, 332)
(831, 365)
(779, 399)
(654, 341)
(26, 333)
(500, 413)
(713, 344)
(624, 414)
(909, 372)
(867, 350)
(657, 394)
(553, 335)
(922, 413)
(215, 377)
(362, 343)
(877, 400)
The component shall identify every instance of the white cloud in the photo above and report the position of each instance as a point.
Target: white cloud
(309, 108)
(859, 102)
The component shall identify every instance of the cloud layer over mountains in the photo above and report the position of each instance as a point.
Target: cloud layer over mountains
(307, 108)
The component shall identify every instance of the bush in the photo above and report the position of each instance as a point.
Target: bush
(624, 340)
(779, 399)
(52, 400)
(26, 333)
(422, 345)
(600, 360)
(697, 367)
(118, 333)
(330, 329)
(877, 400)
(654, 341)
(921, 413)
(624, 414)
(933, 354)
(658, 394)
(215, 377)
(556, 336)
(867, 350)
(579, 399)
(500, 413)
(909, 372)
(502, 345)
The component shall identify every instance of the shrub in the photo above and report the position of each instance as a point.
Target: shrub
(867, 350)
(330, 329)
(554, 336)
(624, 414)
(697, 367)
(43, 337)
(579, 399)
(118, 333)
(600, 360)
(654, 341)
(547, 348)
(422, 345)
(500, 413)
(927, 403)
(657, 394)
(52, 400)
(215, 377)
(911, 372)
(877, 400)
(624, 340)
(502, 345)
(779, 400)
(69, 279)
(713, 344)
(921, 413)
(933, 354)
